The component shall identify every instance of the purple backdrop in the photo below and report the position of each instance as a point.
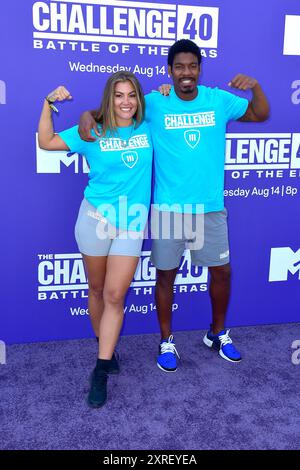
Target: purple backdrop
(78, 44)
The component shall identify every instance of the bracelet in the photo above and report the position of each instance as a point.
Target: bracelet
(51, 105)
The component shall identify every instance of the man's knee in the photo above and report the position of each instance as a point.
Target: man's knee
(165, 279)
(220, 274)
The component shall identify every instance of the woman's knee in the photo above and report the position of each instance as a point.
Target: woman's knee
(113, 296)
(96, 291)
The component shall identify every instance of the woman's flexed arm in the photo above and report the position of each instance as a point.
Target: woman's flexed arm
(48, 140)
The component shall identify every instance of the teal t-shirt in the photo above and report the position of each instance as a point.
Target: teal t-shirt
(120, 165)
(189, 147)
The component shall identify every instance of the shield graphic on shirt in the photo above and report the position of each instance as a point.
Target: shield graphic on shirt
(130, 158)
(192, 137)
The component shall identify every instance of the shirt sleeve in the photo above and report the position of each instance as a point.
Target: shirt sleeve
(72, 139)
(148, 102)
(234, 106)
(151, 100)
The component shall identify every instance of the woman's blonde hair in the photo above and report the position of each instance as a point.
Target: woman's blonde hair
(105, 114)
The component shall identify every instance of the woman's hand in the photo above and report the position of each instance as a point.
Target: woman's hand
(59, 94)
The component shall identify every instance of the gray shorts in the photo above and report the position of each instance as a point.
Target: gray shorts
(214, 251)
(95, 236)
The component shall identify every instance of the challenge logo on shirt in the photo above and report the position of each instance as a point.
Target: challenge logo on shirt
(111, 144)
(130, 158)
(186, 121)
(190, 122)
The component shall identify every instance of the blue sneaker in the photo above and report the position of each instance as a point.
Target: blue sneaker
(223, 343)
(167, 360)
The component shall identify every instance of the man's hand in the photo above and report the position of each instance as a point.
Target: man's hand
(86, 124)
(164, 89)
(243, 82)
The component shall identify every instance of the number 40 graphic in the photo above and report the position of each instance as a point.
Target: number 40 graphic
(200, 24)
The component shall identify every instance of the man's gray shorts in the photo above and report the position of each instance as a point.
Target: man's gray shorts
(212, 248)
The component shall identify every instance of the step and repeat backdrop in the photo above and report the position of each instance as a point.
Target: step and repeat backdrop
(79, 43)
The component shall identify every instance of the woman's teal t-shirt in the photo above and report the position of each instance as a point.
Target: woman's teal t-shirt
(120, 165)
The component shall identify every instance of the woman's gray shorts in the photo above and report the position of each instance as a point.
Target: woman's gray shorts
(95, 236)
(211, 234)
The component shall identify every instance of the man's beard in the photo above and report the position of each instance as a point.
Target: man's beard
(187, 91)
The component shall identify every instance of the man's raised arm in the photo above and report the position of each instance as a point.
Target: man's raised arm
(258, 109)
(86, 124)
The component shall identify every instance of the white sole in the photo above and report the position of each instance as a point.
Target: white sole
(227, 358)
(209, 343)
(164, 370)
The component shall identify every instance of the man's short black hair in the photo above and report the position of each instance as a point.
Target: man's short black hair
(183, 45)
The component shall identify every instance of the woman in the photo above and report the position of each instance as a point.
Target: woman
(113, 213)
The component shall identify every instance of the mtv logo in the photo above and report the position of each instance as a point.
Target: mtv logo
(2, 92)
(291, 45)
(52, 161)
(2, 353)
(283, 260)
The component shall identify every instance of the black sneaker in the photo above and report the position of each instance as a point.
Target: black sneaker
(98, 393)
(114, 366)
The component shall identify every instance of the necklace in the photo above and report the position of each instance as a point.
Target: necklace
(125, 142)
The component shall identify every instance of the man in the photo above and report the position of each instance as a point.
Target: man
(188, 131)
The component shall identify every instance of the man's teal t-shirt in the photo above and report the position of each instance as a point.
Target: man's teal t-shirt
(189, 147)
(120, 165)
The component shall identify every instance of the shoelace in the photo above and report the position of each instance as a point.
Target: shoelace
(169, 347)
(225, 339)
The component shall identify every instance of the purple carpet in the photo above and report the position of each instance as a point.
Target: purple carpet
(208, 403)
